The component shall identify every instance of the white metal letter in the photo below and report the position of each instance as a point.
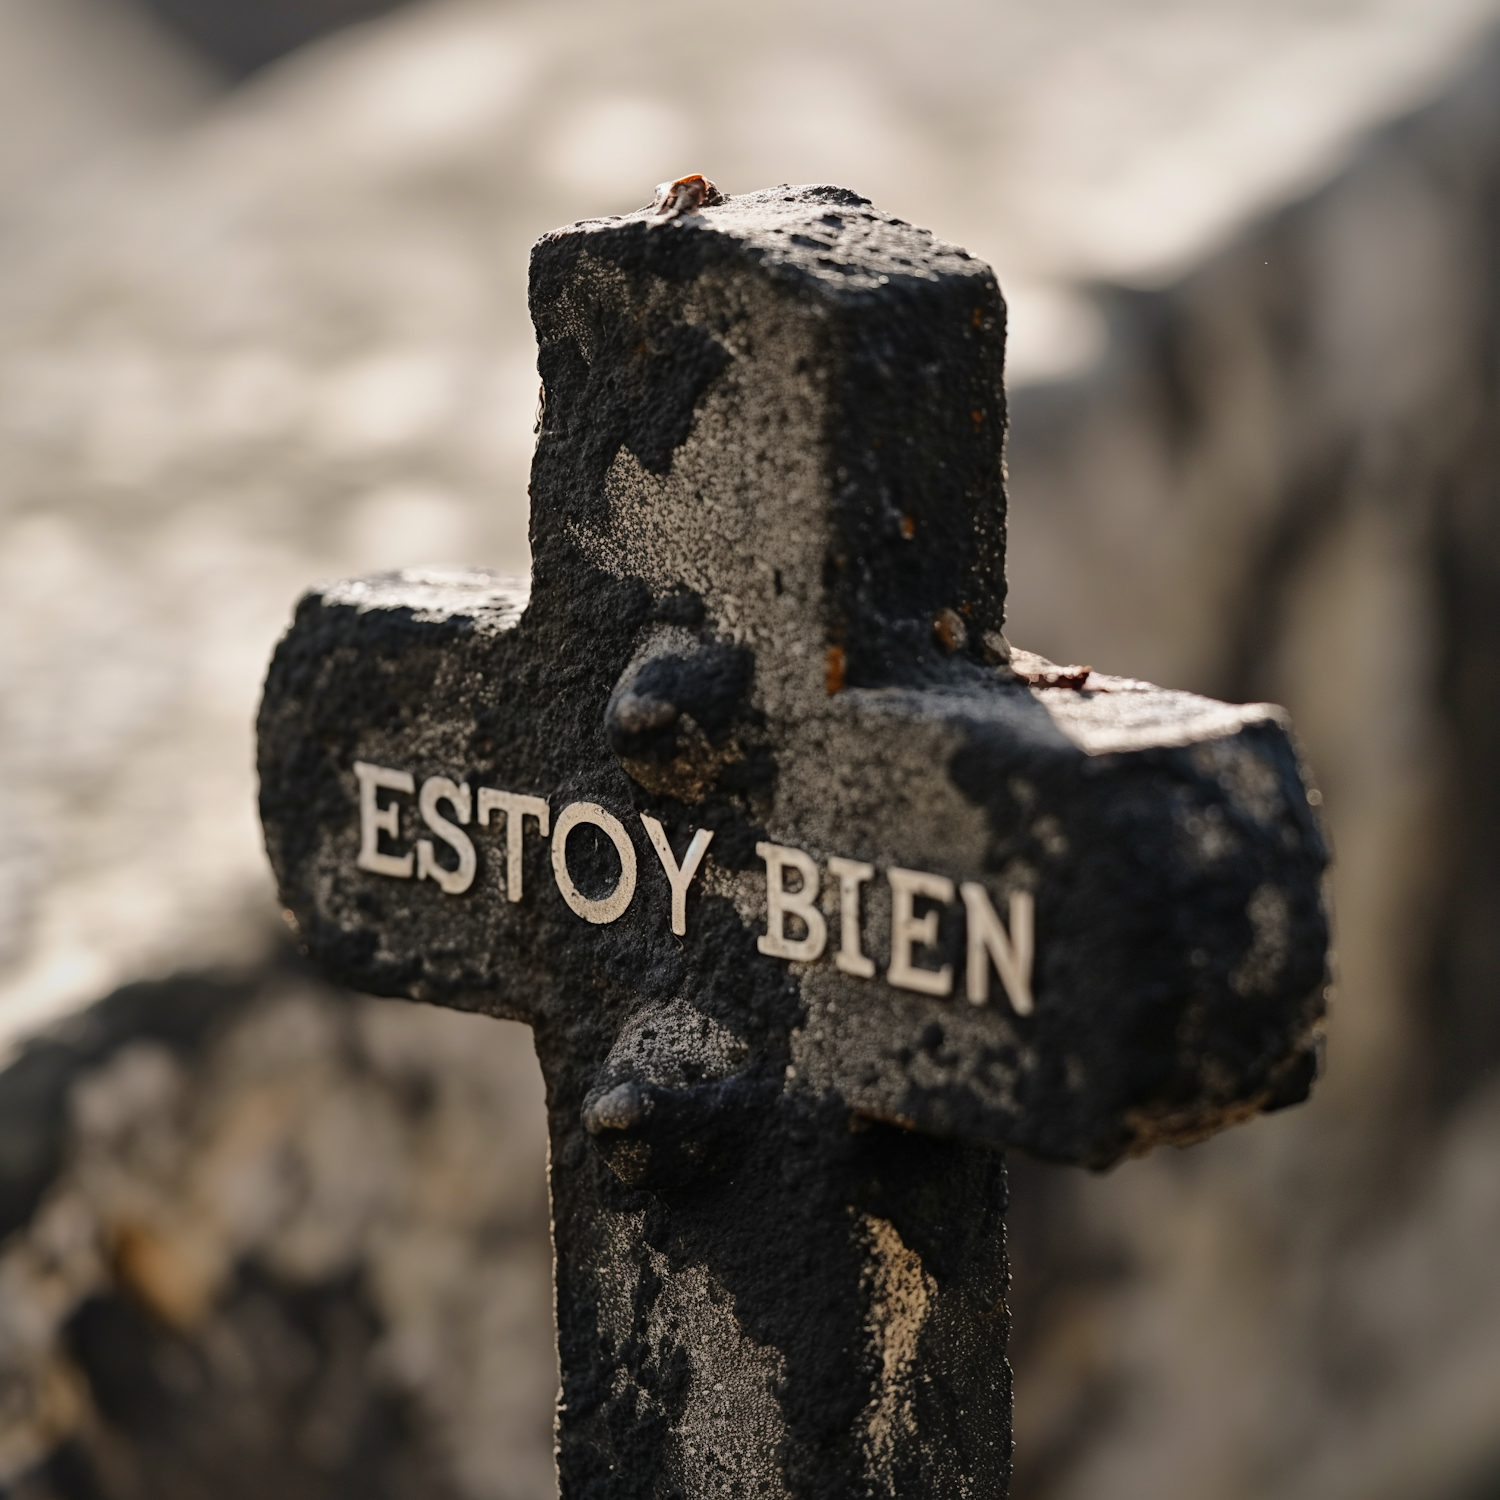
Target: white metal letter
(908, 930)
(517, 808)
(678, 878)
(375, 820)
(782, 903)
(1011, 951)
(440, 789)
(609, 907)
(851, 874)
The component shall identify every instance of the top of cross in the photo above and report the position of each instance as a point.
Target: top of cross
(792, 404)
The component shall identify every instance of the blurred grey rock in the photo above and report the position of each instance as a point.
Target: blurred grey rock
(266, 1240)
(293, 342)
(85, 86)
(241, 36)
(1282, 482)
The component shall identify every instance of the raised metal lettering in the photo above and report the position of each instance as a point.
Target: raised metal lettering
(782, 903)
(375, 820)
(1010, 951)
(608, 908)
(908, 930)
(678, 877)
(441, 789)
(517, 807)
(851, 958)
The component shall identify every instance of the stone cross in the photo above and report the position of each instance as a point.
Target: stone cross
(815, 895)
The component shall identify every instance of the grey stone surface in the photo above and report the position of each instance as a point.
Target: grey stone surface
(767, 599)
(290, 340)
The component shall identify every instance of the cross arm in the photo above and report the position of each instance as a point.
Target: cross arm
(1084, 920)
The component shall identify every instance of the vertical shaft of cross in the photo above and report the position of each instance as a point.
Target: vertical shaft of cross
(816, 1310)
(795, 420)
(794, 407)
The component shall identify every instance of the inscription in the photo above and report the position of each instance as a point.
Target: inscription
(796, 927)
(908, 930)
(375, 820)
(679, 877)
(799, 901)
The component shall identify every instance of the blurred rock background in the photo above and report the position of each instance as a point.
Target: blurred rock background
(263, 319)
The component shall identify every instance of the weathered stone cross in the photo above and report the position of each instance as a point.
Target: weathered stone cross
(814, 896)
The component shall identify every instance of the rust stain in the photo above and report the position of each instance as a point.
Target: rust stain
(908, 527)
(977, 417)
(162, 1273)
(690, 775)
(879, 1115)
(835, 677)
(950, 630)
(1161, 1125)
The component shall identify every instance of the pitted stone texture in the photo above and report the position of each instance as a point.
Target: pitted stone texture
(831, 381)
(1176, 878)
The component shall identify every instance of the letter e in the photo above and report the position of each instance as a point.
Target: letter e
(375, 819)
(908, 930)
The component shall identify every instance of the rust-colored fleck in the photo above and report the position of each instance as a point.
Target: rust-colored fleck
(979, 317)
(950, 630)
(977, 417)
(685, 195)
(908, 527)
(835, 678)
